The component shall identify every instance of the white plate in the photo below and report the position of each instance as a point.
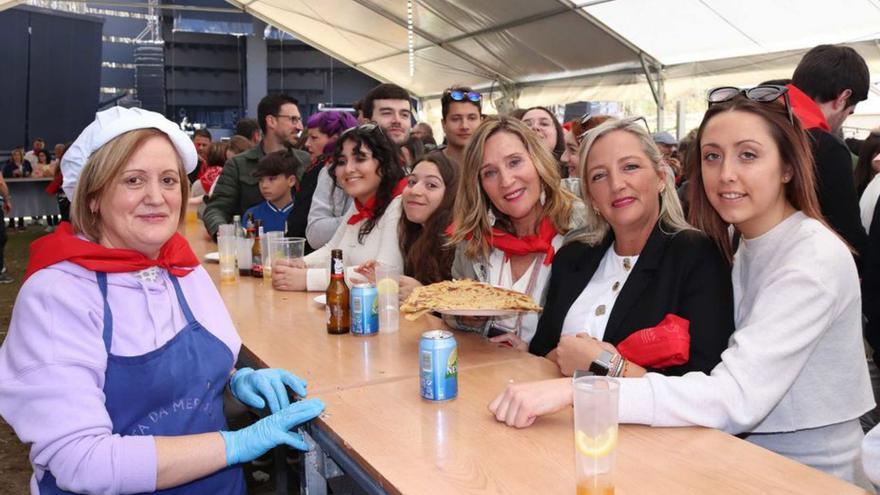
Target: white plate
(322, 299)
(213, 257)
(480, 312)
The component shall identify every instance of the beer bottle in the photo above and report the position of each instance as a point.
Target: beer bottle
(337, 309)
(257, 251)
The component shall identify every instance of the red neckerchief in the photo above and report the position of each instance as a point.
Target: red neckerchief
(63, 245)
(209, 177)
(365, 211)
(806, 110)
(518, 246)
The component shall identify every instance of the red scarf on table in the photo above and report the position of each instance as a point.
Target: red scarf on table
(518, 246)
(367, 211)
(662, 346)
(806, 110)
(63, 245)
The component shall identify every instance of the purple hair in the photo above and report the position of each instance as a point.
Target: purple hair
(332, 123)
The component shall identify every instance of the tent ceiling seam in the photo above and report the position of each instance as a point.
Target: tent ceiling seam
(730, 23)
(637, 50)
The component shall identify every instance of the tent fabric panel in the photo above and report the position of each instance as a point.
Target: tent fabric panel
(435, 70)
(354, 32)
(682, 31)
(547, 47)
(475, 15)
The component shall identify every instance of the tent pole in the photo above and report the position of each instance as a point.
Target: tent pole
(655, 81)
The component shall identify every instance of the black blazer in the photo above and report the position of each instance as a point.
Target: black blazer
(683, 274)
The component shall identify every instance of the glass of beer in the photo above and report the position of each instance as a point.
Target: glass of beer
(228, 264)
(595, 433)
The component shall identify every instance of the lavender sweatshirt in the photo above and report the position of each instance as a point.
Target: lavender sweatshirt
(53, 361)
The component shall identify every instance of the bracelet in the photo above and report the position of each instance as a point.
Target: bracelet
(616, 363)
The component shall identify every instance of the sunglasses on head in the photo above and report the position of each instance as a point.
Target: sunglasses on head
(363, 128)
(628, 120)
(764, 93)
(459, 95)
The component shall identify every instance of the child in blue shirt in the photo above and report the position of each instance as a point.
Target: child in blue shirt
(276, 172)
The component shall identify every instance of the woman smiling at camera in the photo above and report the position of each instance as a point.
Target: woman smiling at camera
(511, 215)
(117, 381)
(794, 377)
(641, 278)
(427, 213)
(368, 169)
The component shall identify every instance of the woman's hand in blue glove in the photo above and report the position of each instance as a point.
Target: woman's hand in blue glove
(249, 443)
(248, 386)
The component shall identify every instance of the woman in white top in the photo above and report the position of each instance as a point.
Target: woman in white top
(794, 376)
(368, 169)
(511, 215)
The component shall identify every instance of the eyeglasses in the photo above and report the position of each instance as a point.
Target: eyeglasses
(764, 93)
(459, 95)
(294, 119)
(628, 120)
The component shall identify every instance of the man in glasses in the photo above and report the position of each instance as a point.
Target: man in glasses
(389, 106)
(461, 109)
(237, 189)
(826, 86)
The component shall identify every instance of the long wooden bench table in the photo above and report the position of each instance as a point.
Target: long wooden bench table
(378, 424)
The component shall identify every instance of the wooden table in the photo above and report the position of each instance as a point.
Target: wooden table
(376, 419)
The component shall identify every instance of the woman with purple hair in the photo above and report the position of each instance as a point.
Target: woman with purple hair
(323, 129)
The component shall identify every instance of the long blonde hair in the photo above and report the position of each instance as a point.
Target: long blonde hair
(471, 211)
(671, 213)
(102, 169)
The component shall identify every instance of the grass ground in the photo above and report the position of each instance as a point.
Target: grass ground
(15, 469)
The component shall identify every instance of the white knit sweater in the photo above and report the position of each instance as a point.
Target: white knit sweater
(796, 360)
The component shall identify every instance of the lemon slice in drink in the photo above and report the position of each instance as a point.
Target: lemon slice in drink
(387, 286)
(598, 446)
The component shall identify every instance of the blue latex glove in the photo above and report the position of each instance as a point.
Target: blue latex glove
(250, 443)
(248, 385)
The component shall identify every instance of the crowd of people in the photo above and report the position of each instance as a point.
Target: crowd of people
(726, 280)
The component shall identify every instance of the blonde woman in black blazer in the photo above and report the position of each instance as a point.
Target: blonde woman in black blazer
(637, 263)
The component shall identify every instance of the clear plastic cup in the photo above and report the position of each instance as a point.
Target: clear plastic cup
(595, 433)
(245, 255)
(227, 229)
(388, 287)
(267, 253)
(286, 248)
(228, 264)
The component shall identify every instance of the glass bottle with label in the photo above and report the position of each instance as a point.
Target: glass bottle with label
(337, 308)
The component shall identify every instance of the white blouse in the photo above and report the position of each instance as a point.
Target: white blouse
(591, 309)
(380, 245)
(501, 276)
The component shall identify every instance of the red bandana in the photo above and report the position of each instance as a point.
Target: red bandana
(806, 110)
(365, 211)
(518, 246)
(209, 177)
(63, 245)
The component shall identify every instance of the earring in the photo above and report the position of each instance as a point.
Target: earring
(491, 216)
(543, 197)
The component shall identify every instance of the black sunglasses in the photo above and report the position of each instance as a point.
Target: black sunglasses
(764, 93)
(363, 128)
(459, 95)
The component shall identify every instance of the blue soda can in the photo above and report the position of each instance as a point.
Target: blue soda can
(364, 309)
(438, 365)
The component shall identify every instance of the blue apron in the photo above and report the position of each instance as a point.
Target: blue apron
(174, 390)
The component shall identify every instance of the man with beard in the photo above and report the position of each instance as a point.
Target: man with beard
(237, 189)
(389, 106)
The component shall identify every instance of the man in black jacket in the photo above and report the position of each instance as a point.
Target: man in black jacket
(826, 86)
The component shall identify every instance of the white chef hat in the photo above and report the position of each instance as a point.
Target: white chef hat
(114, 122)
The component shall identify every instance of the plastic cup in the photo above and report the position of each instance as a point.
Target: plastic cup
(286, 248)
(227, 229)
(245, 254)
(595, 433)
(388, 287)
(267, 253)
(228, 263)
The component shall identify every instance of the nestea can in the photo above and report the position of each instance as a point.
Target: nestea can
(438, 365)
(364, 309)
